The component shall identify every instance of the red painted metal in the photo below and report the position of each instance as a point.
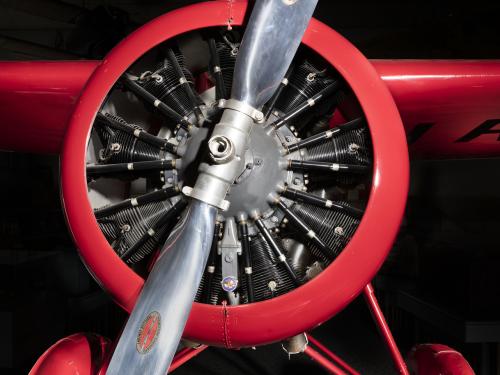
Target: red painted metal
(185, 355)
(324, 362)
(335, 358)
(455, 96)
(37, 99)
(78, 354)
(36, 102)
(312, 303)
(378, 317)
(436, 359)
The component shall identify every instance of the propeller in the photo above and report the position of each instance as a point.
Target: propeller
(154, 328)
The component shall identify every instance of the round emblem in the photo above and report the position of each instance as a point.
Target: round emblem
(148, 333)
(229, 283)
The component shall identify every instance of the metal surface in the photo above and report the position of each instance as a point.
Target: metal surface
(385, 332)
(265, 53)
(215, 180)
(261, 175)
(436, 359)
(242, 107)
(74, 355)
(271, 39)
(445, 98)
(441, 101)
(312, 303)
(148, 347)
(458, 95)
(299, 255)
(36, 102)
(230, 249)
(296, 344)
(160, 314)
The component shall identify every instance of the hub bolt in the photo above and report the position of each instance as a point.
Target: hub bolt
(259, 116)
(221, 149)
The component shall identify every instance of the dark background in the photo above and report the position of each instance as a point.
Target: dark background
(445, 262)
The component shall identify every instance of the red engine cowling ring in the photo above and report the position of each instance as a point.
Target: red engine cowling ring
(317, 300)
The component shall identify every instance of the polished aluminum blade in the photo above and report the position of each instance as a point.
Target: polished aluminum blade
(271, 39)
(153, 330)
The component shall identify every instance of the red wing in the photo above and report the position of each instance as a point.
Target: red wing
(449, 108)
(36, 102)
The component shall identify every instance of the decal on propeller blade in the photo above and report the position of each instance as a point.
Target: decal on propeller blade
(148, 333)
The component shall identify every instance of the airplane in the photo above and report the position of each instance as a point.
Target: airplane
(242, 156)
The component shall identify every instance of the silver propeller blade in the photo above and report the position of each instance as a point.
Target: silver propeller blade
(273, 34)
(154, 328)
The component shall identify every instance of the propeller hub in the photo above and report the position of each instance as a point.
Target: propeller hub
(262, 173)
(261, 169)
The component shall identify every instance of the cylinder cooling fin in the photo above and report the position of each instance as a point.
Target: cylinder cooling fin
(309, 178)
